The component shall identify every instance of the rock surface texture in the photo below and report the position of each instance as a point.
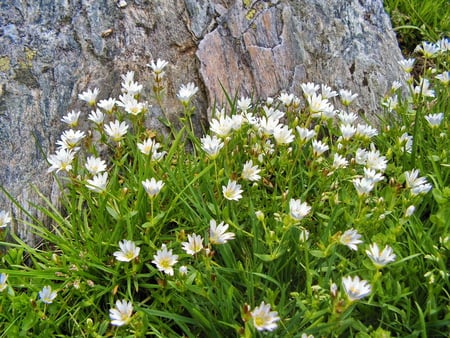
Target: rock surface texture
(52, 50)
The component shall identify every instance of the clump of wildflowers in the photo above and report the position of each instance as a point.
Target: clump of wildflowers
(358, 184)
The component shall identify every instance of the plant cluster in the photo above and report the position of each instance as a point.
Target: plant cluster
(290, 217)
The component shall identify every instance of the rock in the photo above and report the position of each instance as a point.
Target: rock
(268, 47)
(50, 51)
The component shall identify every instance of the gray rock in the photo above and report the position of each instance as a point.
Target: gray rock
(52, 50)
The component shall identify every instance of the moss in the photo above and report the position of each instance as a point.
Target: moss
(5, 64)
(30, 54)
(250, 14)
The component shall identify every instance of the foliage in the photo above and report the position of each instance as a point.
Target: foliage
(417, 20)
(306, 217)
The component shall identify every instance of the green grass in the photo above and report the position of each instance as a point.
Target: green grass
(417, 20)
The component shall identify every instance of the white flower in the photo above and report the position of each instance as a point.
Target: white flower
(263, 318)
(444, 44)
(410, 210)
(444, 77)
(132, 88)
(232, 191)
(347, 97)
(148, 146)
(304, 335)
(158, 67)
(259, 215)
(116, 130)
(375, 161)
(186, 92)
(347, 117)
(309, 88)
(183, 270)
(286, 99)
(305, 133)
(382, 258)
(62, 160)
(128, 77)
(339, 161)
(372, 175)
(128, 251)
(351, 238)
(347, 131)
(47, 295)
(70, 139)
(96, 116)
(428, 49)
(363, 185)
(283, 135)
(121, 314)
(211, 145)
(407, 65)
(365, 130)
(237, 121)
(356, 288)
(131, 105)
(361, 156)
(165, 260)
(90, 96)
(156, 156)
(327, 92)
(298, 209)
(5, 219)
(152, 186)
(390, 102)
(3, 279)
(244, 104)
(98, 183)
(319, 147)
(423, 88)
(317, 104)
(396, 85)
(218, 234)
(267, 125)
(250, 172)
(421, 189)
(406, 141)
(71, 118)
(333, 289)
(304, 235)
(222, 126)
(95, 165)
(273, 113)
(418, 185)
(108, 104)
(193, 245)
(251, 119)
(434, 120)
